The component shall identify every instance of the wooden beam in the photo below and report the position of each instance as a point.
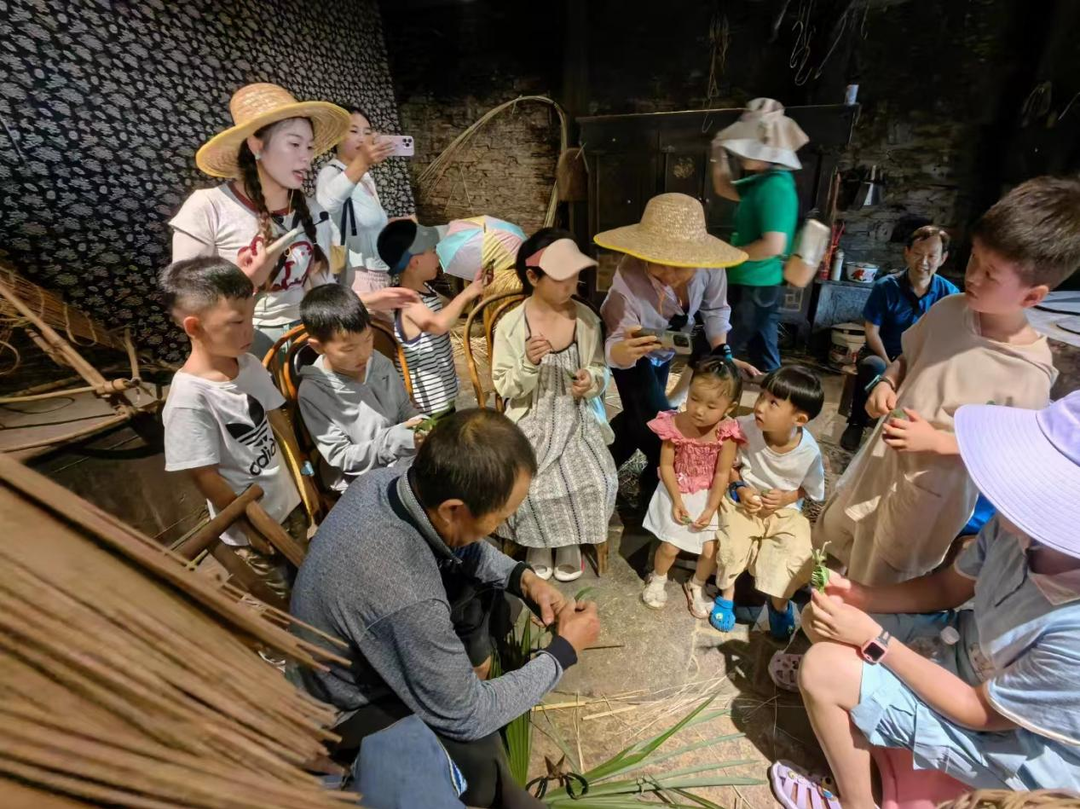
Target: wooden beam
(212, 529)
(73, 357)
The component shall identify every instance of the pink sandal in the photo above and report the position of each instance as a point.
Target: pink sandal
(794, 788)
(784, 671)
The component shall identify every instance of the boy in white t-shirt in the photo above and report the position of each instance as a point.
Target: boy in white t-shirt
(765, 530)
(217, 416)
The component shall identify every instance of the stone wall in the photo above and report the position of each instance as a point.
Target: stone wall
(104, 105)
(930, 88)
(935, 83)
(451, 64)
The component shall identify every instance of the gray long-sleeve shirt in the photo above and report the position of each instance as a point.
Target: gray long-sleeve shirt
(356, 426)
(373, 577)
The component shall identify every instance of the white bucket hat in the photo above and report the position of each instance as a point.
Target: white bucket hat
(764, 132)
(1027, 463)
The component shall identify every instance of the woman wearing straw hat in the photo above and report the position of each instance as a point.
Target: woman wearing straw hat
(660, 284)
(765, 141)
(264, 158)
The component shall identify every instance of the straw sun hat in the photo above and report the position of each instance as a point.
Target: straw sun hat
(257, 105)
(672, 231)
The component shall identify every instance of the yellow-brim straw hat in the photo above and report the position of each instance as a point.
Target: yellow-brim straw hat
(672, 231)
(257, 105)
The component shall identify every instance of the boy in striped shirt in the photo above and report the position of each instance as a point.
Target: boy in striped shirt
(423, 329)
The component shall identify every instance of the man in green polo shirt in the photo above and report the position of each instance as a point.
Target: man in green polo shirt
(765, 142)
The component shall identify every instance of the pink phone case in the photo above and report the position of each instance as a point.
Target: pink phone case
(403, 145)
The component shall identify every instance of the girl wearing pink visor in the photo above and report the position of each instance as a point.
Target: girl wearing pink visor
(548, 364)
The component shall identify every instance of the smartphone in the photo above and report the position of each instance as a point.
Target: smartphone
(403, 145)
(677, 341)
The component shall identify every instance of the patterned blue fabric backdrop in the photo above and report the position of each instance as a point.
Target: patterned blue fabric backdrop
(103, 105)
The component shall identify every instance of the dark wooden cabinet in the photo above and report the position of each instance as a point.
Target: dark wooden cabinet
(631, 158)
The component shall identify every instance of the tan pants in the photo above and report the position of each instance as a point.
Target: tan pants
(776, 550)
(271, 568)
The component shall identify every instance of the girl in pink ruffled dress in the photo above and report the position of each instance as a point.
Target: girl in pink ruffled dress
(699, 446)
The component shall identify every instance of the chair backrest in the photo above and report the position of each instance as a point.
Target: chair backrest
(298, 355)
(275, 359)
(489, 311)
(284, 361)
(387, 345)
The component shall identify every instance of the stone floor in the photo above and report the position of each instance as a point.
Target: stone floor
(659, 664)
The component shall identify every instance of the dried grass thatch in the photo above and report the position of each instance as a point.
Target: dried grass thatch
(127, 679)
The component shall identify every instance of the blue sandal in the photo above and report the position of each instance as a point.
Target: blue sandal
(722, 616)
(782, 624)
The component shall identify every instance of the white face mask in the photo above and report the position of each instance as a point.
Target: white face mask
(1059, 588)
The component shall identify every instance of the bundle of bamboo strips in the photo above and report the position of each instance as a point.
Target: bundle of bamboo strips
(127, 679)
(79, 328)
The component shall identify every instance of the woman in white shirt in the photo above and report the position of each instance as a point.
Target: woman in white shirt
(347, 190)
(265, 157)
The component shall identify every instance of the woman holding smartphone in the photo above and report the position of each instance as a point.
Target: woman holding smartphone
(347, 190)
(667, 277)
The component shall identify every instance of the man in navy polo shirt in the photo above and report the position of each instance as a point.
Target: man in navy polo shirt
(895, 303)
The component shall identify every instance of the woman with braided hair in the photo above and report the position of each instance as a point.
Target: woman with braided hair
(265, 157)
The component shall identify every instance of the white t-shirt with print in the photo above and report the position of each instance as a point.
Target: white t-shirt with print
(228, 225)
(764, 468)
(224, 424)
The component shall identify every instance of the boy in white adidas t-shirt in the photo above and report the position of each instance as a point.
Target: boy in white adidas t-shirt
(216, 424)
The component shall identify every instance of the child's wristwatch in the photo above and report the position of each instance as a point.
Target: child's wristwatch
(873, 651)
(733, 490)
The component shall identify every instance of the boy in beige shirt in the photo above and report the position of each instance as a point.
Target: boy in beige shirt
(906, 495)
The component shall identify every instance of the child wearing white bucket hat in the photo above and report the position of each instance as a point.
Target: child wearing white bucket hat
(998, 705)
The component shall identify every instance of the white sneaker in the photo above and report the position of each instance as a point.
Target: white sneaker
(539, 559)
(654, 595)
(699, 604)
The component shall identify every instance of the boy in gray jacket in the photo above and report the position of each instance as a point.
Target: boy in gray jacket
(352, 400)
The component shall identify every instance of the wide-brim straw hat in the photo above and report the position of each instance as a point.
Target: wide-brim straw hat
(764, 132)
(257, 105)
(672, 231)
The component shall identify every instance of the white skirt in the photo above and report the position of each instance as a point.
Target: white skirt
(659, 521)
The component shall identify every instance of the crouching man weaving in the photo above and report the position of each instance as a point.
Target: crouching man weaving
(399, 571)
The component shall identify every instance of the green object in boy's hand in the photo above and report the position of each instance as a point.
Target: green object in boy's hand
(428, 424)
(820, 577)
(685, 519)
(899, 414)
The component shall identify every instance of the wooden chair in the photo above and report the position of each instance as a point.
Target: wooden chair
(267, 533)
(387, 345)
(294, 443)
(490, 312)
